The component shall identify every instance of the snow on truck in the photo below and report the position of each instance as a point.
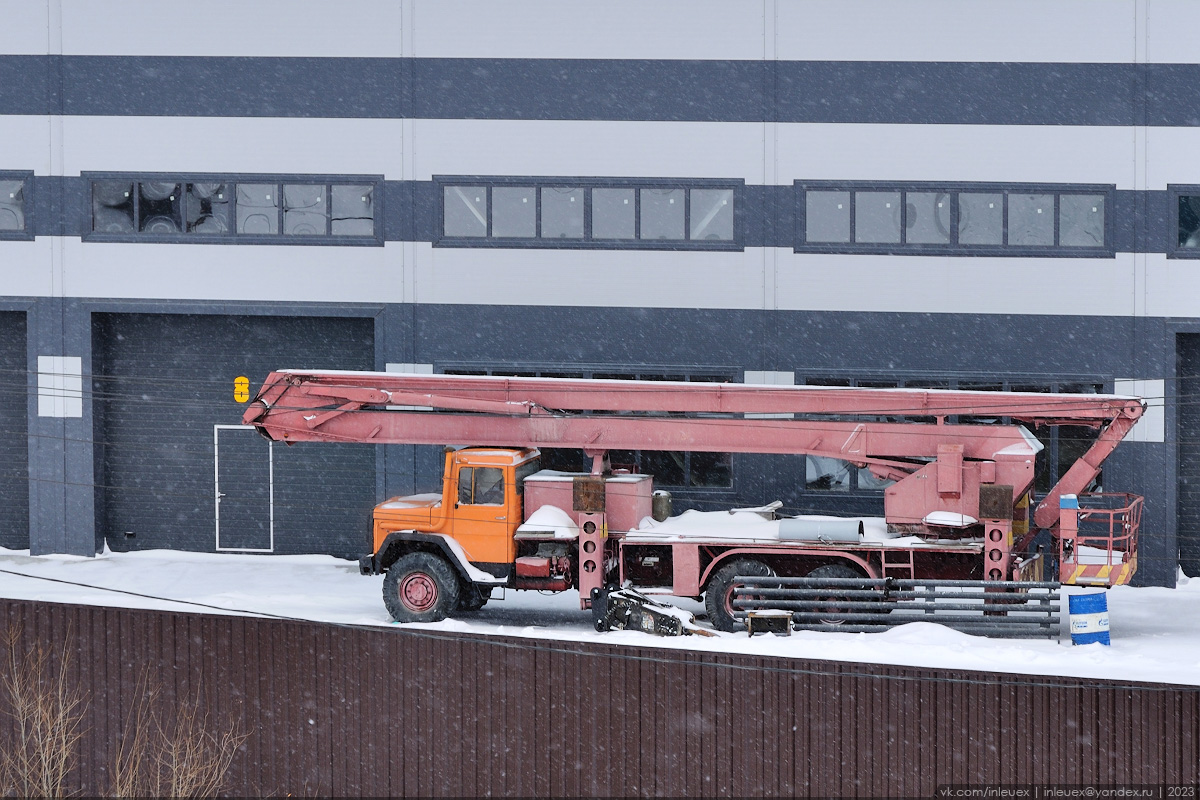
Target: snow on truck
(960, 504)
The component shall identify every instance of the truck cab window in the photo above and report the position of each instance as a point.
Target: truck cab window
(481, 486)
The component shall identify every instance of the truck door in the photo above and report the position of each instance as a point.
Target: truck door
(481, 516)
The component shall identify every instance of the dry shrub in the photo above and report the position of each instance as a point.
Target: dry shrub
(46, 711)
(172, 754)
(163, 752)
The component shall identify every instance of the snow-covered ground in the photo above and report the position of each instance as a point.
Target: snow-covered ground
(1155, 632)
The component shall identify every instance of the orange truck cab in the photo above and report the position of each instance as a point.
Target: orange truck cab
(445, 551)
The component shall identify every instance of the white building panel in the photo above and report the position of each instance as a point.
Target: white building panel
(1064, 31)
(1152, 425)
(589, 278)
(1171, 27)
(1172, 286)
(363, 28)
(24, 27)
(233, 144)
(1171, 156)
(1068, 286)
(232, 272)
(666, 29)
(26, 268)
(26, 143)
(1018, 153)
(588, 149)
(60, 386)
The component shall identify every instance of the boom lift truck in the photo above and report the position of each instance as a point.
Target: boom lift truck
(959, 506)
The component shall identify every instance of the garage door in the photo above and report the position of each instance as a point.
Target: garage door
(1189, 453)
(164, 403)
(14, 446)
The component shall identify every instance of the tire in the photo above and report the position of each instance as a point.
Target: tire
(718, 596)
(472, 597)
(420, 587)
(834, 571)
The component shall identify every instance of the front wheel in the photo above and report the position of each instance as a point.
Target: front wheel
(718, 597)
(420, 587)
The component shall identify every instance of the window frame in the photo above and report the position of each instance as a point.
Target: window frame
(953, 247)
(587, 241)
(375, 239)
(1174, 192)
(26, 178)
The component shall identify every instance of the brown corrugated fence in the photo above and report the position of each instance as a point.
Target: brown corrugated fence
(334, 710)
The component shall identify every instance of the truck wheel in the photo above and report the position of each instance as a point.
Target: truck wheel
(420, 587)
(718, 597)
(834, 571)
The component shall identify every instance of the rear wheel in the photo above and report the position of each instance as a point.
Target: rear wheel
(718, 597)
(835, 571)
(420, 587)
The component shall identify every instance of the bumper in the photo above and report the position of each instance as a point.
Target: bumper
(366, 565)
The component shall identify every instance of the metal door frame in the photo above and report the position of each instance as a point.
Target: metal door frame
(217, 491)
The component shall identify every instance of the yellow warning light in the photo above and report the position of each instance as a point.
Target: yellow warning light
(241, 388)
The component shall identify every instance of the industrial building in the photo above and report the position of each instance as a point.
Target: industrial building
(995, 195)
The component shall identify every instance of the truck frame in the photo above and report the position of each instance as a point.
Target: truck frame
(960, 505)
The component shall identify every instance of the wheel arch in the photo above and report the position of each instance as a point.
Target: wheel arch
(400, 543)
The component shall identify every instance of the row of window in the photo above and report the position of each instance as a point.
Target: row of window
(941, 219)
(208, 209)
(831, 217)
(610, 215)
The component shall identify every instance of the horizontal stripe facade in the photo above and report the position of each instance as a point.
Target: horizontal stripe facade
(961, 93)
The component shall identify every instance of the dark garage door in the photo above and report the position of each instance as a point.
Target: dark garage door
(1189, 453)
(14, 446)
(166, 381)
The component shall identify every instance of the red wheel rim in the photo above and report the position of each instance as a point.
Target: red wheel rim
(418, 592)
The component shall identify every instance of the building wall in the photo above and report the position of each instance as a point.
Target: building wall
(769, 100)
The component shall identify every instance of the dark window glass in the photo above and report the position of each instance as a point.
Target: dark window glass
(827, 217)
(667, 467)
(1189, 221)
(12, 206)
(662, 213)
(822, 473)
(514, 212)
(112, 207)
(353, 210)
(1081, 220)
(612, 214)
(208, 207)
(562, 213)
(927, 217)
(305, 210)
(980, 218)
(711, 469)
(465, 209)
(257, 208)
(712, 214)
(160, 207)
(1031, 220)
(877, 217)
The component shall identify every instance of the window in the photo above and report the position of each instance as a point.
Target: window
(212, 209)
(1185, 221)
(481, 486)
(671, 469)
(13, 209)
(513, 212)
(958, 219)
